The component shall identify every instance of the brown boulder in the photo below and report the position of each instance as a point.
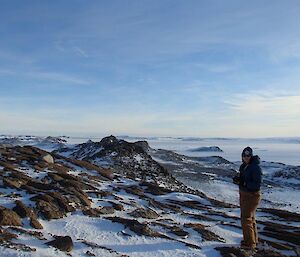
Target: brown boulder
(23, 211)
(50, 210)
(9, 218)
(144, 213)
(63, 243)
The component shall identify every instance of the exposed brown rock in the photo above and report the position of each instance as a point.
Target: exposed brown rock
(97, 212)
(82, 196)
(35, 224)
(190, 204)
(135, 190)
(38, 235)
(40, 185)
(237, 252)
(5, 235)
(206, 234)
(17, 246)
(155, 189)
(99, 193)
(164, 206)
(55, 176)
(144, 213)
(286, 215)
(23, 211)
(117, 206)
(62, 201)
(135, 226)
(287, 236)
(13, 183)
(49, 210)
(63, 243)
(9, 218)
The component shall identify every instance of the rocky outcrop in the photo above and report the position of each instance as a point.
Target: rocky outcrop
(97, 212)
(23, 211)
(9, 217)
(237, 252)
(144, 213)
(63, 243)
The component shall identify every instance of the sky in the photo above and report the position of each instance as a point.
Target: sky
(209, 68)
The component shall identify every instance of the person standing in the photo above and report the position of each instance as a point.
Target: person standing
(249, 181)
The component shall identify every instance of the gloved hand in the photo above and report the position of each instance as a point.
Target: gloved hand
(236, 180)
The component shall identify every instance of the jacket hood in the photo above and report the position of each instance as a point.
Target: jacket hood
(255, 159)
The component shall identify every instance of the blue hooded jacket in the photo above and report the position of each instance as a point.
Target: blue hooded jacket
(250, 175)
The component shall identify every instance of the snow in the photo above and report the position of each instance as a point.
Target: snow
(138, 158)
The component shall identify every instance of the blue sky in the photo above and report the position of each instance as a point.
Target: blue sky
(157, 67)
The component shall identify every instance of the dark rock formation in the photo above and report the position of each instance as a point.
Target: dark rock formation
(63, 243)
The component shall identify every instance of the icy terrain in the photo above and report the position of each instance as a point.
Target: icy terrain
(136, 205)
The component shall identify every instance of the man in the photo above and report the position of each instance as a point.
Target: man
(249, 181)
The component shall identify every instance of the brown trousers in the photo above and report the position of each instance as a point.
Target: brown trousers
(249, 202)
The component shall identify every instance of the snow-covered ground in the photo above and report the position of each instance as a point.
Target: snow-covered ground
(276, 150)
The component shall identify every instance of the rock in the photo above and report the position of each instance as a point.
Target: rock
(117, 206)
(135, 226)
(135, 190)
(55, 177)
(48, 158)
(237, 252)
(289, 236)
(35, 224)
(179, 231)
(12, 183)
(155, 189)
(36, 234)
(23, 211)
(6, 235)
(39, 185)
(90, 253)
(53, 205)
(205, 234)
(144, 213)
(286, 215)
(49, 210)
(9, 218)
(63, 243)
(82, 196)
(62, 201)
(97, 212)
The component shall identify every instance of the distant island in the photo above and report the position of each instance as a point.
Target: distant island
(206, 149)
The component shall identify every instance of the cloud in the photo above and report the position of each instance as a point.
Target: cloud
(263, 114)
(47, 76)
(79, 51)
(55, 76)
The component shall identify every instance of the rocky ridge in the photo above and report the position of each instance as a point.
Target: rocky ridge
(150, 203)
